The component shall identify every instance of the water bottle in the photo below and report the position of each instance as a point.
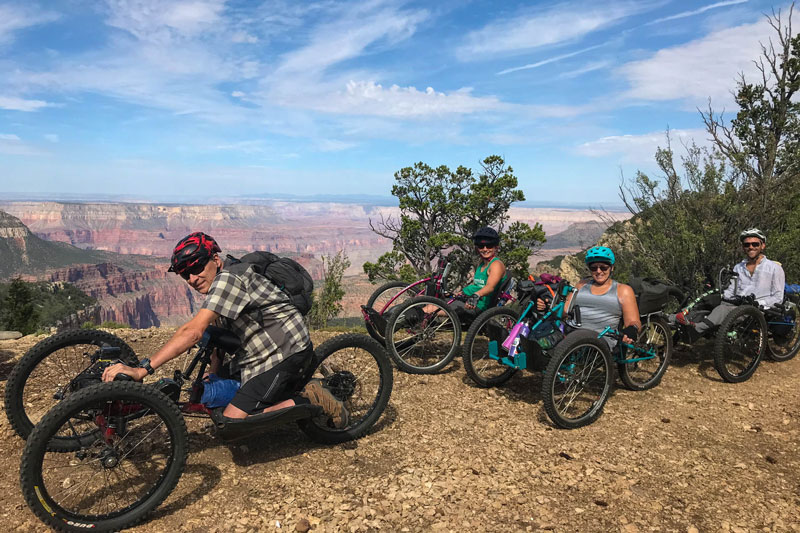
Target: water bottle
(514, 346)
(525, 330)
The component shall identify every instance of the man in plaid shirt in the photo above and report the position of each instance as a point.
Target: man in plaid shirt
(276, 347)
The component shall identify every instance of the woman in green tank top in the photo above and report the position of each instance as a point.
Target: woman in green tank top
(489, 274)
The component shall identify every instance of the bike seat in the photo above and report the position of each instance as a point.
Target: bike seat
(238, 428)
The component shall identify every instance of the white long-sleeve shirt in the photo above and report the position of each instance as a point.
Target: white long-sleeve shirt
(766, 282)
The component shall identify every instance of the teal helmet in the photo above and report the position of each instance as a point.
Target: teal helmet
(600, 254)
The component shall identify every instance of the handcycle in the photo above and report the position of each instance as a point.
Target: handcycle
(388, 296)
(42, 377)
(578, 364)
(424, 334)
(421, 332)
(123, 445)
(746, 333)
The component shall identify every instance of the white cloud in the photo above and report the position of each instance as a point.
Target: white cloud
(370, 98)
(155, 20)
(333, 145)
(244, 37)
(303, 79)
(349, 37)
(52, 137)
(702, 69)
(703, 9)
(15, 18)
(536, 28)
(11, 144)
(590, 67)
(14, 103)
(548, 60)
(248, 147)
(237, 94)
(640, 148)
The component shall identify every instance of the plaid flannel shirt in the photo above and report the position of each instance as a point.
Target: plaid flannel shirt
(268, 336)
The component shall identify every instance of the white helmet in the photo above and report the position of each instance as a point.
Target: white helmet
(753, 232)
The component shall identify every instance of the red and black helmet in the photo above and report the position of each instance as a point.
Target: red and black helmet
(194, 249)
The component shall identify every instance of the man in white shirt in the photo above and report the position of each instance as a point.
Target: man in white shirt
(758, 276)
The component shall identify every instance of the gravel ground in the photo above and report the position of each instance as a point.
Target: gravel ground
(692, 455)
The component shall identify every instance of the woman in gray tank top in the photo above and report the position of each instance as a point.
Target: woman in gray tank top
(603, 301)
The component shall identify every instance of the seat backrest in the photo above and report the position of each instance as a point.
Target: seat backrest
(501, 288)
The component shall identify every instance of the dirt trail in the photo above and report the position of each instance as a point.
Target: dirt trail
(694, 454)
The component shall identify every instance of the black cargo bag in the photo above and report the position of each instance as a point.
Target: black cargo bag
(651, 294)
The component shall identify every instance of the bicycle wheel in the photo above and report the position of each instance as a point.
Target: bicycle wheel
(423, 335)
(783, 339)
(578, 380)
(740, 343)
(485, 336)
(47, 373)
(133, 447)
(655, 335)
(382, 296)
(357, 371)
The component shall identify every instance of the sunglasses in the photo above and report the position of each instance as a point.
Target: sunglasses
(751, 244)
(481, 245)
(193, 270)
(602, 268)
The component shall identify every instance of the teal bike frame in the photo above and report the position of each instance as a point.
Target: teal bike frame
(520, 359)
(620, 358)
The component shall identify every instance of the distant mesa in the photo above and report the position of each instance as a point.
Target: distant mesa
(578, 235)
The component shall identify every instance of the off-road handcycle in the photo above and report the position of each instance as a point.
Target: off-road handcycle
(417, 324)
(109, 453)
(746, 333)
(578, 364)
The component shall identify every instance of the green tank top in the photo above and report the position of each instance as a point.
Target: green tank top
(479, 281)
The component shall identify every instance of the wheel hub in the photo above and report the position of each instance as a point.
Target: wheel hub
(342, 385)
(109, 458)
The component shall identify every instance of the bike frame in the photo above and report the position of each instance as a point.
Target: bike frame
(438, 277)
(558, 308)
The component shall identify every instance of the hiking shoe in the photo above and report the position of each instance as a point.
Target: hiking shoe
(317, 394)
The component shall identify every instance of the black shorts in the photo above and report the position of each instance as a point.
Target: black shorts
(277, 384)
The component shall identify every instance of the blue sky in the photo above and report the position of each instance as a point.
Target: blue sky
(207, 97)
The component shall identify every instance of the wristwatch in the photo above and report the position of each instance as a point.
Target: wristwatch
(145, 363)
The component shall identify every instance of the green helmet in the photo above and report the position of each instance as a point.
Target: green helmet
(600, 254)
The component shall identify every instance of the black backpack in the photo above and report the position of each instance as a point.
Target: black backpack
(287, 274)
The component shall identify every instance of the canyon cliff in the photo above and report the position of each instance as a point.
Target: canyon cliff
(129, 289)
(93, 241)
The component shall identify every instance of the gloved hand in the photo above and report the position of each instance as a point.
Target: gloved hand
(630, 334)
(472, 301)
